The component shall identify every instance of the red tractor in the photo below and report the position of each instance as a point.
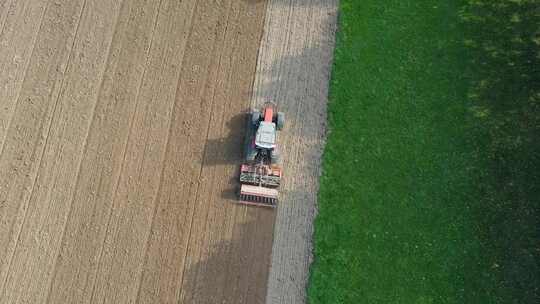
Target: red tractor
(260, 175)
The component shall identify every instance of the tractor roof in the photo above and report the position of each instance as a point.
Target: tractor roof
(266, 135)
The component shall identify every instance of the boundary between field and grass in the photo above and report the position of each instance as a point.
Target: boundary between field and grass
(293, 70)
(429, 191)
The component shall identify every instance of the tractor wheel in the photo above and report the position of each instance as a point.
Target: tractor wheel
(251, 154)
(248, 150)
(275, 156)
(280, 120)
(255, 117)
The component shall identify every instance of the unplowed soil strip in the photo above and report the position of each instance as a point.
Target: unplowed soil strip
(293, 70)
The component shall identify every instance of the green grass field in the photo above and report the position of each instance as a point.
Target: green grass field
(414, 205)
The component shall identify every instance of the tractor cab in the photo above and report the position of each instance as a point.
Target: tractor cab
(266, 135)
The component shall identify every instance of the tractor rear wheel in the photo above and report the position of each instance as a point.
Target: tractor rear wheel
(255, 117)
(249, 152)
(275, 156)
(280, 120)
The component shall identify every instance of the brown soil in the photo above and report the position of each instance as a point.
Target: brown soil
(120, 138)
(120, 143)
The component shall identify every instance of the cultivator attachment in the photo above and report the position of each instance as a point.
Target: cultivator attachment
(258, 196)
(259, 183)
(263, 175)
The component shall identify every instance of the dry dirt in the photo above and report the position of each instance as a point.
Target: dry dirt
(120, 140)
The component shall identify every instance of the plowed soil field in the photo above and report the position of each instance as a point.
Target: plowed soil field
(121, 133)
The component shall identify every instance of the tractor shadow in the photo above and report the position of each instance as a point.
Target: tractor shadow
(228, 268)
(227, 153)
(227, 150)
(230, 194)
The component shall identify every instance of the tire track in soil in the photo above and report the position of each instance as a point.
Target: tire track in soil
(26, 137)
(5, 8)
(128, 68)
(20, 23)
(122, 252)
(49, 204)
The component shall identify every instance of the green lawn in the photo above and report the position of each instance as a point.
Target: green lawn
(414, 205)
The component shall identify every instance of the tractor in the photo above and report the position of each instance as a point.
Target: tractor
(260, 174)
